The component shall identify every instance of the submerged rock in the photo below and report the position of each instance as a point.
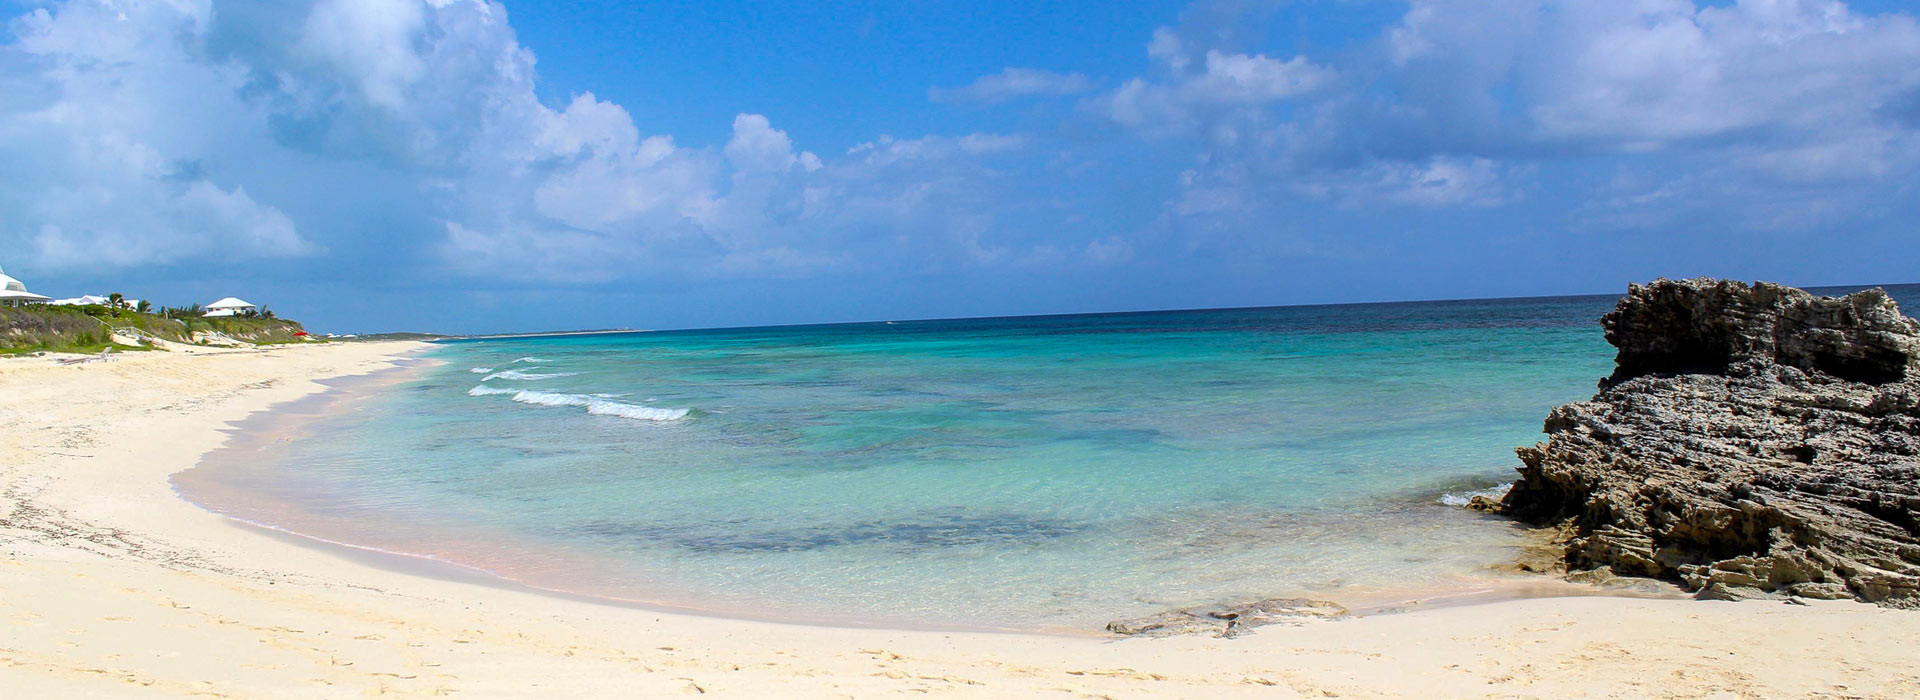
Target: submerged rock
(1229, 620)
(1753, 441)
(1483, 504)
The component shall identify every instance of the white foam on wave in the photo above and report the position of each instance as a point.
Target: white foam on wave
(1460, 500)
(594, 405)
(516, 374)
(603, 407)
(528, 359)
(481, 370)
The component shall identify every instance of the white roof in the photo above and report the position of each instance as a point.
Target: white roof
(19, 295)
(230, 303)
(9, 284)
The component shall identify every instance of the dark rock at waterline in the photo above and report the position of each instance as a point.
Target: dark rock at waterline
(1753, 441)
(1228, 620)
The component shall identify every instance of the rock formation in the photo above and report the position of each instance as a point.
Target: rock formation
(1752, 441)
(1229, 620)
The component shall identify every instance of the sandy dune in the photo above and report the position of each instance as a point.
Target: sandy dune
(111, 586)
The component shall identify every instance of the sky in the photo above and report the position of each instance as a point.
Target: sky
(462, 166)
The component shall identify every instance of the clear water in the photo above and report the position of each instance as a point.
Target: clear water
(1026, 472)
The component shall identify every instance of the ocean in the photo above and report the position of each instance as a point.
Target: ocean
(1011, 473)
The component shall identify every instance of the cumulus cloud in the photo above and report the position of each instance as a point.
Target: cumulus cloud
(1646, 75)
(1201, 86)
(98, 170)
(1767, 98)
(1013, 83)
(134, 133)
(758, 147)
(1746, 106)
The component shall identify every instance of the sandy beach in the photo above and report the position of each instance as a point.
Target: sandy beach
(112, 586)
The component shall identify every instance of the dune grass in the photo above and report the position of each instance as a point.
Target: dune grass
(89, 329)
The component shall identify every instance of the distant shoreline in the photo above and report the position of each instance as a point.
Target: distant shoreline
(552, 334)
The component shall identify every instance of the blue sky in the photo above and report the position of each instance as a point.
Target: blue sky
(462, 166)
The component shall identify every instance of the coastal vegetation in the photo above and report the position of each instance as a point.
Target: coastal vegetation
(92, 328)
(56, 328)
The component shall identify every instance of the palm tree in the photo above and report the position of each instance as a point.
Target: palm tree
(144, 307)
(116, 301)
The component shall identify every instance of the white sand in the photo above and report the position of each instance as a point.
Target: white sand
(111, 586)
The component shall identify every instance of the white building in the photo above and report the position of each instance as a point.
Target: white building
(230, 306)
(13, 292)
(96, 300)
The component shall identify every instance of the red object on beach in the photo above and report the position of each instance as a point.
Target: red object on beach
(299, 334)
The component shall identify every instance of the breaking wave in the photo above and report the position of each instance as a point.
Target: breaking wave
(516, 374)
(481, 370)
(594, 405)
(1460, 500)
(528, 359)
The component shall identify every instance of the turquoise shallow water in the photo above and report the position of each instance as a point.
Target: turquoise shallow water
(1031, 472)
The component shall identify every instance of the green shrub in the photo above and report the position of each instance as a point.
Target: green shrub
(90, 328)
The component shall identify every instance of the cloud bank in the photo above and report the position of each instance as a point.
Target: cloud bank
(144, 133)
(1784, 111)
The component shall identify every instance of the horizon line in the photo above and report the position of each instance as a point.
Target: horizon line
(625, 331)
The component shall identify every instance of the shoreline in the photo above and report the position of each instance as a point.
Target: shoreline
(118, 588)
(209, 485)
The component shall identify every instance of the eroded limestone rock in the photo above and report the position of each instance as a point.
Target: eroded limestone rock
(1752, 441)
(1229, 620)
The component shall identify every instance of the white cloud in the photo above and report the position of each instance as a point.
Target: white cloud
(1648, 75)
(1226, 84)
(757, 147)
(655, 180)
(887, 150)
(1167, 47)
(371, 44)
(1013, 83)
(1439, 182)
(135, 133)
(520, 255)
(1775, 112)
(1770, 96)
(181, 221)
(98, 169)
(592, 127)
(1233, 78)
